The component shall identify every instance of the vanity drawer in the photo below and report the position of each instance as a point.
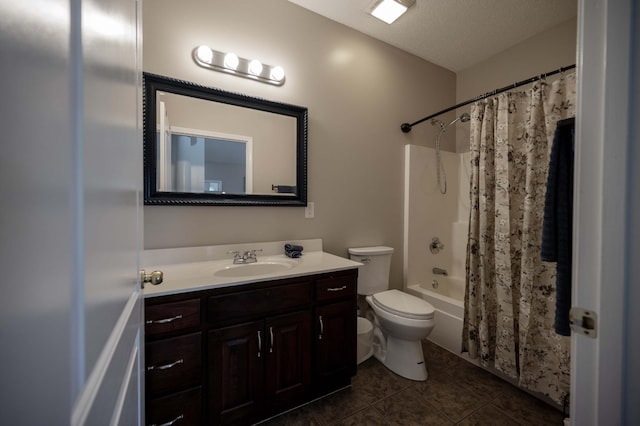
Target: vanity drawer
(335, 287)
(253, 303)
(173, 364)
(183, 408)
(172, 316)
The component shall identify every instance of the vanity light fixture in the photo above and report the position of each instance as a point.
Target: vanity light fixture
(390, 10)
(231, 63)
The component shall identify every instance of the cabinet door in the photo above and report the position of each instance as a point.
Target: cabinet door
(335, 344)
(236, 373)
(288, 360)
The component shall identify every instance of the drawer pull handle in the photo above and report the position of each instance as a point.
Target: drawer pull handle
(165, 320)
(166, 366)
(259, 344)
(271, 334)
(344, 287)
(321, 328)
(171, 422)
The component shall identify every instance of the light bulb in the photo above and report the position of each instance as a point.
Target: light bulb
(255, 67)
(277, 73)
(231, 61)
(204, 54)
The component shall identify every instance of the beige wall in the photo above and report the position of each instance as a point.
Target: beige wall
(544, 52)
(358, 91)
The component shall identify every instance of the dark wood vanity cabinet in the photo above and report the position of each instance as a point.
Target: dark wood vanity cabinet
(335, 347)
(259, 368)
(265, 348)
(173, 362)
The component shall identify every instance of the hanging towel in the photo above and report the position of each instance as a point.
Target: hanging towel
(284, 189)
(558, 219)
(292, 250)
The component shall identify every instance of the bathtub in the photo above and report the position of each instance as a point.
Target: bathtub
(447, 297)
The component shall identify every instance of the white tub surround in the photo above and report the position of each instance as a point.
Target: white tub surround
(194, 268)
(429, 214)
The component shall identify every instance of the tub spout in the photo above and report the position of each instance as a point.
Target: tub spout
(439, 271)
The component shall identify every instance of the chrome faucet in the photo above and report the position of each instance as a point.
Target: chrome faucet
(249, 256)
(439, 271)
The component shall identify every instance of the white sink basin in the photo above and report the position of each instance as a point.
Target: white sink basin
(258, 268)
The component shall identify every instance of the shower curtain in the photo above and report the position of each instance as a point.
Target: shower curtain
(510, 291)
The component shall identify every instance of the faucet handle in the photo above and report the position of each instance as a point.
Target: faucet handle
(251, 253)
(436, 245)
(237, 258)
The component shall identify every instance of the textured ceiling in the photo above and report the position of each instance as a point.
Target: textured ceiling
(454, 34)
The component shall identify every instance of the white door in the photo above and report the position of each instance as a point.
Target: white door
(604, 370)
(70, 221)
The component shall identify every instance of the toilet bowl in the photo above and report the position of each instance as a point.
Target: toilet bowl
(403, 322)
(400, 320)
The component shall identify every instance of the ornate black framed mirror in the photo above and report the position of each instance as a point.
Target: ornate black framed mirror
(206, 146)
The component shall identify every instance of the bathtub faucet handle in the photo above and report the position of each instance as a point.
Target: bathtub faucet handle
(436, 245)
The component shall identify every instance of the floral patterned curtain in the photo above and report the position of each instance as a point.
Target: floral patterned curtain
(510, 291)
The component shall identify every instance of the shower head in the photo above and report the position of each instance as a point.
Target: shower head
(463, 118)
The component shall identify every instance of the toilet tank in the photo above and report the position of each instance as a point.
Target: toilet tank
(373, 277)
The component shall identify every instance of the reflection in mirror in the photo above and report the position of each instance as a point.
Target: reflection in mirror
(198, 162)
(215, 147)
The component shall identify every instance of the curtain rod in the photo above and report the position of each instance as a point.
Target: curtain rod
(406, 127)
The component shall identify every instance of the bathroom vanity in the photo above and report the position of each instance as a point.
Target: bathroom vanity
(239, 349)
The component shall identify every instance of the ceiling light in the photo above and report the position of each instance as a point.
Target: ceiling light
(390, 10)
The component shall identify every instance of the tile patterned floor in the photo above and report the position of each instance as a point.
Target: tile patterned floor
(456, 393)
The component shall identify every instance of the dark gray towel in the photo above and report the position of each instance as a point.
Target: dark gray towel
(292, 250)
(557, 233)
(285, 189)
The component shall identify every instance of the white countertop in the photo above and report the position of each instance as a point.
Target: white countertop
(189, 269)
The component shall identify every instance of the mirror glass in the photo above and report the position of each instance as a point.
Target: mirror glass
(206, 146)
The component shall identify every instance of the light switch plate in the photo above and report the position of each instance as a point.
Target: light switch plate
(309, 211)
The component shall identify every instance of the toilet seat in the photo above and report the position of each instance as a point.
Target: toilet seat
(403, 304)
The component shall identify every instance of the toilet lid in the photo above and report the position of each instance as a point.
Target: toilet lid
(403, 304)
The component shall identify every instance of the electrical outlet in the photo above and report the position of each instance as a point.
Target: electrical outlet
(309, 212)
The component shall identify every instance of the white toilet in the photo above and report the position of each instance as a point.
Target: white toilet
(400, 320)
